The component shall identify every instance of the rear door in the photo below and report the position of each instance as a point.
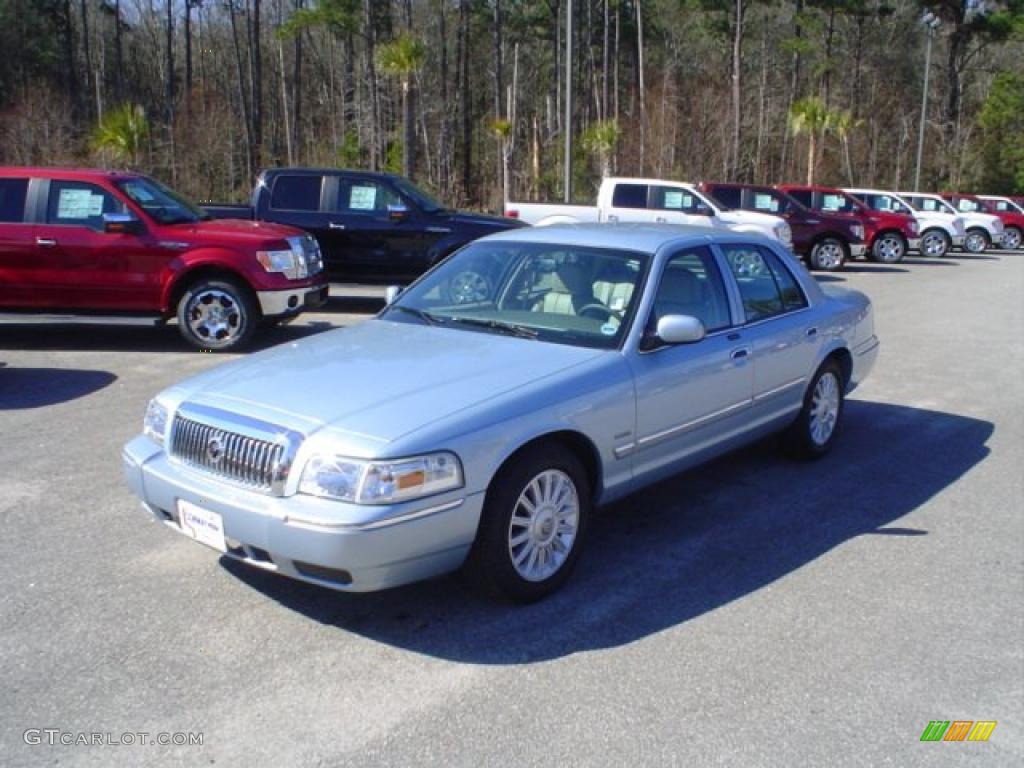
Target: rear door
(18, 259)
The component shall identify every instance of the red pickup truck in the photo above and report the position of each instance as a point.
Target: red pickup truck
(888, 235)
(96, 245)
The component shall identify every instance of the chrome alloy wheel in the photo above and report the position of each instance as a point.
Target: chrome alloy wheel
(889, 249)
(1011, 239)
(824, 408)
(934, 244)
(544, 525)
(468, 287)
(829, 255)
(215, 316)
(975, 242)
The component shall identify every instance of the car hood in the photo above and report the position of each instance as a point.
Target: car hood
(378, 380)
(766, 220)
(485, 221)
(236, 231)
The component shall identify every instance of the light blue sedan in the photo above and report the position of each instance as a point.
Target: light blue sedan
(480, 418)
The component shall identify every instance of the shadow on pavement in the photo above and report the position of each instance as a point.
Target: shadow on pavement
(677, 550)
(22, 388)
(861, 267)
(829, 279)
(922, 262)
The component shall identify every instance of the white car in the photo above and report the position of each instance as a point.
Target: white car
(1012, 216)
(624, 200)
(980, 228)
(940, 230)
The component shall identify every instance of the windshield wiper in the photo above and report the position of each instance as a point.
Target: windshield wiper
(512, 329)
(426, 317)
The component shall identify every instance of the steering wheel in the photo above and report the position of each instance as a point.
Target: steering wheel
(608, 313)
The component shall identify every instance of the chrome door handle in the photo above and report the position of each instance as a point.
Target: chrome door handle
(660, 220)
(740, 353)
(334, 225)
(613, 219)
(811, 332)
(48, 242)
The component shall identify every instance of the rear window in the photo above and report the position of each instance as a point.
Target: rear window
(296, 193)
(629, 196)
(12, 199)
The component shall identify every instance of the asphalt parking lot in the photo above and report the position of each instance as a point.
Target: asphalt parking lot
(754, 612)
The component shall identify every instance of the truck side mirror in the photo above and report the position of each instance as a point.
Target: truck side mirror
(398, 212)
(391, 293)
(121, 223)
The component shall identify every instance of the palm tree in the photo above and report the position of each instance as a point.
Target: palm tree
(812, 117)
(601, 139)
(120, 134)
(502, 130)
(844, 123)
(402, 58)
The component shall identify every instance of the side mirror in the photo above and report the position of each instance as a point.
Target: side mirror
(398, 212)
(702, 209)
(391, 293)
(121, 223)
(680, 329)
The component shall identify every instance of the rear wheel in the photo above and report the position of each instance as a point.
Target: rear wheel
(828, 254)
(217, 315)
(533, 524)
(889, 248)
(935, 243)
(814, 431)
(976, 241)
(1012, 238)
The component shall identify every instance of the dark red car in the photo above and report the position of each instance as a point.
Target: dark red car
(824, 240)
(1010, 213)
(94, 244)
(888, 235)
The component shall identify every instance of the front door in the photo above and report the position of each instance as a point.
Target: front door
(17, 246)
(690, 396)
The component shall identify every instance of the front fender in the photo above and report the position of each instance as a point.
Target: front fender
(187, 263)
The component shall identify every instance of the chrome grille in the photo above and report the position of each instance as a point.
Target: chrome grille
(217, 442)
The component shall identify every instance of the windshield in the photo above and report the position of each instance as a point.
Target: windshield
(164, 205)
(418, 196)
(564, 294)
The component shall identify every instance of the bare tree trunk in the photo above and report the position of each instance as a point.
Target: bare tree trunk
(297, 88)
(87, 54)
(284, 104)
(242, 98)
(169, 107)
(812, 151)
(604, 65)
(467, 128)
(737, 57)
(640, 80)
(444, 140)
(257, 85)
(371, 74)
(188, 55)
(118, 53)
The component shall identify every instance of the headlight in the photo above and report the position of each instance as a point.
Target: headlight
(857, 230)
(154, 424)
(913, 227)
(291, 263)
(380, 482)
(783, 233)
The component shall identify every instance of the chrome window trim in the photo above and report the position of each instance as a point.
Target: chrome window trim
(700, 421)
(808, 304)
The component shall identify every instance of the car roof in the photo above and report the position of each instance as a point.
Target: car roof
(806, 188)
(49, 172)
(646, 238)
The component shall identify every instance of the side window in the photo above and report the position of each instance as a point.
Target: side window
(674, 199)
(296, 193)
(730, 197)
(76, 203)
(366, 196)
(692, 285)
(12, 200)
(766, 285)
(769, 203)
(803, 197)
(629, 196)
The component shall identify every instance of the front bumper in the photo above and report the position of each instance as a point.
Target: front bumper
(997, 238)
(291, 301)
(914, 244)
(857, 250)
(348, 547)
(958, 241)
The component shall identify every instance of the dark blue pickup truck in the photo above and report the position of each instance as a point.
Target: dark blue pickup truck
(372, 227)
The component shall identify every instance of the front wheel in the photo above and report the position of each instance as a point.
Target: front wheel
(217, 315)
(935, 243)
(889, 248)
(812, 434)
(1012, 238)
(976, 241)
(828, 254)
(533, 524)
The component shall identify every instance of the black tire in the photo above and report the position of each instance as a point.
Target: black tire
(977, 240)
(801, 438)
(829, 254)
(490, 564)
(935, 243)
(889, 248)
(231, 328)
(1013, 238)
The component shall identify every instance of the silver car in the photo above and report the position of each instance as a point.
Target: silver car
(480, 418)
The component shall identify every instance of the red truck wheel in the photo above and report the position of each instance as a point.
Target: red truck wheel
(217, 315)
(889, 248)
(828, 254)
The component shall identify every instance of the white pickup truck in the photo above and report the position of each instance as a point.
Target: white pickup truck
(622, 200)
(940, 229)
(981, 228)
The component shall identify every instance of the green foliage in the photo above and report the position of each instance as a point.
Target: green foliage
(350, 153)
(119, 135)
(1002, 126)
(810, 116)
(393, 156)
(30, 37)
(601, 139)
(340, 16)
(401, 57)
